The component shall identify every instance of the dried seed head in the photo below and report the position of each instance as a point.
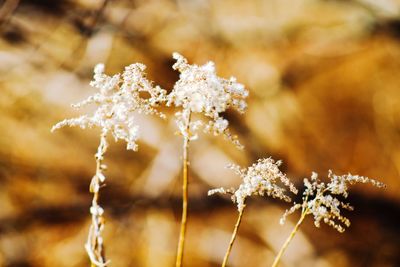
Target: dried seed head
(117, 101)
(259, 179)
(321, 199)
(200, 90)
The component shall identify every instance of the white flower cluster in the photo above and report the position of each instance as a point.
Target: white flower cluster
(319, 199)
(259, 179)
(200, 90)
(119, 98)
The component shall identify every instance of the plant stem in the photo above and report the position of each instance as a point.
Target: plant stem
(185, 161)
(292, 234)
(233, 238)
(94, 245)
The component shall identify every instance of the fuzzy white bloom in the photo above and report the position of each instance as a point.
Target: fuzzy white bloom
(117, 101)
(320, 199)
(259, 179)
(200, 90)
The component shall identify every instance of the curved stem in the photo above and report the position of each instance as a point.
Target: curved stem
(233, 238)
(292, 234)
(185, 161)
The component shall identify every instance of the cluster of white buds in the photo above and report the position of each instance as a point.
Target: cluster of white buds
(117, 101)
(200, 90)
(320, 199)
(259, 179)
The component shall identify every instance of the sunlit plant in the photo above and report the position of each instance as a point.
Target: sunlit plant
(201, 98)
(321, 200)
(263, 178)
(117, 102)
(199, 91)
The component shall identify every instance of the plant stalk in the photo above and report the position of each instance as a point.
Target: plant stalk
(94, 245)
(292, 234)
(185, 182)
(233, 238)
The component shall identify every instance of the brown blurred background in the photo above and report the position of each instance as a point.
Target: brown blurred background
(324, 81)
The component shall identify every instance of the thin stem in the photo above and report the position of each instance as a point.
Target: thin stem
(233, 238)
(185, 181)
(94, 245)
(292, 234)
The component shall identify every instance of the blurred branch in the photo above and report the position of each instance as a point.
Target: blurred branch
(7, 9)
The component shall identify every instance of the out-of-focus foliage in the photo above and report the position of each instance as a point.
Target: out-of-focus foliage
(324, 90)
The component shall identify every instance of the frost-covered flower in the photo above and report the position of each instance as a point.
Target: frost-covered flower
(320, 199)
(259, 179)
(117, 101)
(200, 90)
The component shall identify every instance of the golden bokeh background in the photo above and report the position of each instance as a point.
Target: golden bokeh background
(324, 82)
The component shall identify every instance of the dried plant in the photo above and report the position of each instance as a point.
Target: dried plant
(202, 97)
(117, 102)
(259, 179)
(320, 200)
(200, 91)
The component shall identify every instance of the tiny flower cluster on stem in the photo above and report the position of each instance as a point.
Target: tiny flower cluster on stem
(259, 179)
(321, 200)
(117, 101)
(199, 91)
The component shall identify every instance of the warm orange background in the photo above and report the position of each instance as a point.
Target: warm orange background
(324, 82)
